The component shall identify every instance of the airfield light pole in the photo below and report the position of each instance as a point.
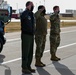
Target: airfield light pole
(17, 7)
(44, 2)
(36, 6)
(39, 2)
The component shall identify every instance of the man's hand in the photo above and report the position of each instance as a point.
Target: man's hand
(42, 9)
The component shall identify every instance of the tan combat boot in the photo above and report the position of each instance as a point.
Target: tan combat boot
(38, 63)
(54, 57)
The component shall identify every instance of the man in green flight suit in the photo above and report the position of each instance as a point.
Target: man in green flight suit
(54, 33)
(27, 37)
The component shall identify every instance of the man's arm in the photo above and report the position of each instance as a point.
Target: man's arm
(53, 17)
(37, 14)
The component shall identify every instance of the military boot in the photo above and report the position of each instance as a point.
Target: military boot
(54, 57)
(38, 63)
(42, 63)
(26, 71)
(58, 58)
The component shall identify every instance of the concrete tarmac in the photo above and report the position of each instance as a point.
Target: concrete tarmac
(10, 57)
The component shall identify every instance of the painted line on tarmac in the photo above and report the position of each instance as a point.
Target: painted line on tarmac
(11, 40)
(65, 32)
(10, 61)
(63, 47)
(69, 31)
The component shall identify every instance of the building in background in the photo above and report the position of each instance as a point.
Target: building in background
(70, 11)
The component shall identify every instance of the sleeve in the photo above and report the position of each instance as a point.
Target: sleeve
(37, 14)
(53, 17)
(24, 15)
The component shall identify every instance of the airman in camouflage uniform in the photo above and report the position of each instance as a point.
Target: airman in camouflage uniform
(40, 35)
(54, 33)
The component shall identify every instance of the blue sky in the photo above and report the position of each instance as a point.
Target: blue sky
(64, 4)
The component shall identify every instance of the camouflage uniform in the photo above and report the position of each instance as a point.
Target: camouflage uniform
(40, 34)
(54, 33)
(40, 45)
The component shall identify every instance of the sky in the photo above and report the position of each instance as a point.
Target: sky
(63, 4)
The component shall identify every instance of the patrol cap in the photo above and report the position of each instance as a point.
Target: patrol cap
(55, 7)
(41, 6)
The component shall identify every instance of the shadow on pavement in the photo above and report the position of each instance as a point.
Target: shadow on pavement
(62, 69)
(7, 69)
(1, 58)
(27, 74)
(42, 71)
